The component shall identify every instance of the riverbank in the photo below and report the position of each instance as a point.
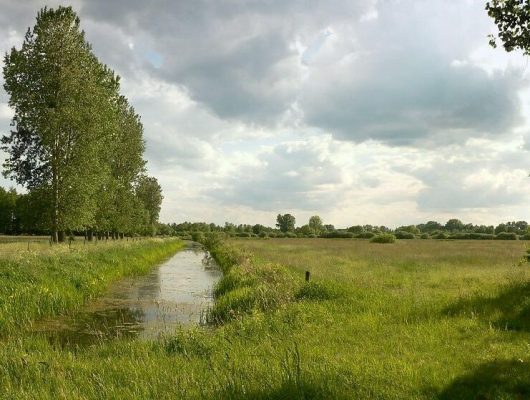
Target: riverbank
(55, 280)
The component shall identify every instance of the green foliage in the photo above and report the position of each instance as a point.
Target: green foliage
(198, 237)
(506, 236)
(454, 225)
(409, 228)
(285, 222)
(404, 235)
(336, 235)
(77, 141)
(383, 238)
(365, 235)
(315, 224)
(472, 236)
(8, 200)
(511, 18)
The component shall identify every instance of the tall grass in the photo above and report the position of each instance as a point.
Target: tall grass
(408, 320)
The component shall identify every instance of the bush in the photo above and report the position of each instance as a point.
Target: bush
(440, 235)
(365, 235)
(243, 234)
(526, 236)
(472, 236)
(263, 234)
(506, 236)
(383, 238)
(336, 235)
(198, 237)
(404, 235)
(425, 236)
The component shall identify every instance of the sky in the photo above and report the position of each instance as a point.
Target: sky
(383, 112)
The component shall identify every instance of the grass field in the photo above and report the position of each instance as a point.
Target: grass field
(417, 319)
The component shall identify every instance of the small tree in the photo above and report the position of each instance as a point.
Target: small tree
(316, 225)
(285, 222)
(454, 225)
(149, 193)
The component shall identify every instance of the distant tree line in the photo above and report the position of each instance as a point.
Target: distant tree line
(285, 228)
(76, 145)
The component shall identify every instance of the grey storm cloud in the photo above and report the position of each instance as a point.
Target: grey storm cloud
(236, 58)
(391, 79)
(406, 81)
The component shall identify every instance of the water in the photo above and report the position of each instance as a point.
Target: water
(178, 292)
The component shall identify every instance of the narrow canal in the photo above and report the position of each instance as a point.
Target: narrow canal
(178, 292)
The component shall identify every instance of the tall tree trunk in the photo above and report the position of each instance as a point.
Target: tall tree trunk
(90, 235)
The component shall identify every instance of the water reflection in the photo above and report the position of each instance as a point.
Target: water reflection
(178, 292)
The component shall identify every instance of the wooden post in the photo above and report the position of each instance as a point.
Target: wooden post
(28, 245)
(307, 276)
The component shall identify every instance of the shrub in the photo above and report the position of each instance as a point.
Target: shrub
(197, 237)
(526, 236)
(473, 236)
(440, 235)
(243, 234)
(404, 235)
(425, 236)
(383, 238)
(337, 235)
(506, 236)
(263, 234)
(365, 235)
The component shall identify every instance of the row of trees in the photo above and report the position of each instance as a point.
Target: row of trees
(29, 213)
(285, 227)
(77, 144)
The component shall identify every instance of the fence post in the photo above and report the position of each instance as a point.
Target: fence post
(307, 276)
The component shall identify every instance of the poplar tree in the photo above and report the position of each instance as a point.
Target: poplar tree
(61, 96)
(149, 192)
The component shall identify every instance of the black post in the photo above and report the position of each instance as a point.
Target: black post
(307, 276)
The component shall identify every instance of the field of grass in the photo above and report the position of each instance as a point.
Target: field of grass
(416, 319)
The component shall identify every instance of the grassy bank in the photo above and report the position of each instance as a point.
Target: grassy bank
(412, 319)
(47, 281)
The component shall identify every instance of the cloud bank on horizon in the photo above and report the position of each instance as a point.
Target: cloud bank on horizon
(367, 111)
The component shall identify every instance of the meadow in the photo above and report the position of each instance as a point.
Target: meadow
(415, 319)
